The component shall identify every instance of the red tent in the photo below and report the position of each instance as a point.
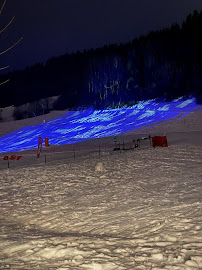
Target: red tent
(159, 141)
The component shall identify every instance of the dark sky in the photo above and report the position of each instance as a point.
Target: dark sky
(55, 27)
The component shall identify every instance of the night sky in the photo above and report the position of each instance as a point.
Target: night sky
(55, 27)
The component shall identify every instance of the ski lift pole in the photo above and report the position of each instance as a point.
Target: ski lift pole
(43, 109)
(36, 118)
(115, 140)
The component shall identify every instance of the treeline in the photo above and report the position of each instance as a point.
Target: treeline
(163, 64)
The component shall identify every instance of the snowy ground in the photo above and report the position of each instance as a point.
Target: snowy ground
(135, 209)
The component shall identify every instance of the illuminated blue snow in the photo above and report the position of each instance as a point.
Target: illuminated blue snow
(84, 125)
(185, 103)
(164, 108)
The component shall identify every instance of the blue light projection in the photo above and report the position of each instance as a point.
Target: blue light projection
(77, 126)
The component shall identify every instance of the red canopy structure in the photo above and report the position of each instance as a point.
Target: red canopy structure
(159, 141)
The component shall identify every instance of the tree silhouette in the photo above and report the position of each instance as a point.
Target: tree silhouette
(164, 64)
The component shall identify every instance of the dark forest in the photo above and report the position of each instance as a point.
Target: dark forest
(164, 64)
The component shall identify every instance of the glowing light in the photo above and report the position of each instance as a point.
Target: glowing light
(11, 47)
(185, 103)
(4, 68)
(2, 7)
(146, 114)
(4, 82)
(7, 25)
(84, 125)
(164, 108)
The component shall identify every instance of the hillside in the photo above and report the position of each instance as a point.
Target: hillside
(136, 209)
(79, 126)
(164, 64)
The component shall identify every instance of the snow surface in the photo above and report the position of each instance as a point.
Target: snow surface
(78, 126)
(135, 209)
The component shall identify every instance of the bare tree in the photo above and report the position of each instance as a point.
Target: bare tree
(13, 45)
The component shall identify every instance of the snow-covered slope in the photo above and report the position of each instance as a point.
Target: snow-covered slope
(74, 127)
(130, 210)
(136, 209)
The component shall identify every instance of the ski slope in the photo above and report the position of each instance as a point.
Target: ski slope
(138, 209)
(78, 126)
